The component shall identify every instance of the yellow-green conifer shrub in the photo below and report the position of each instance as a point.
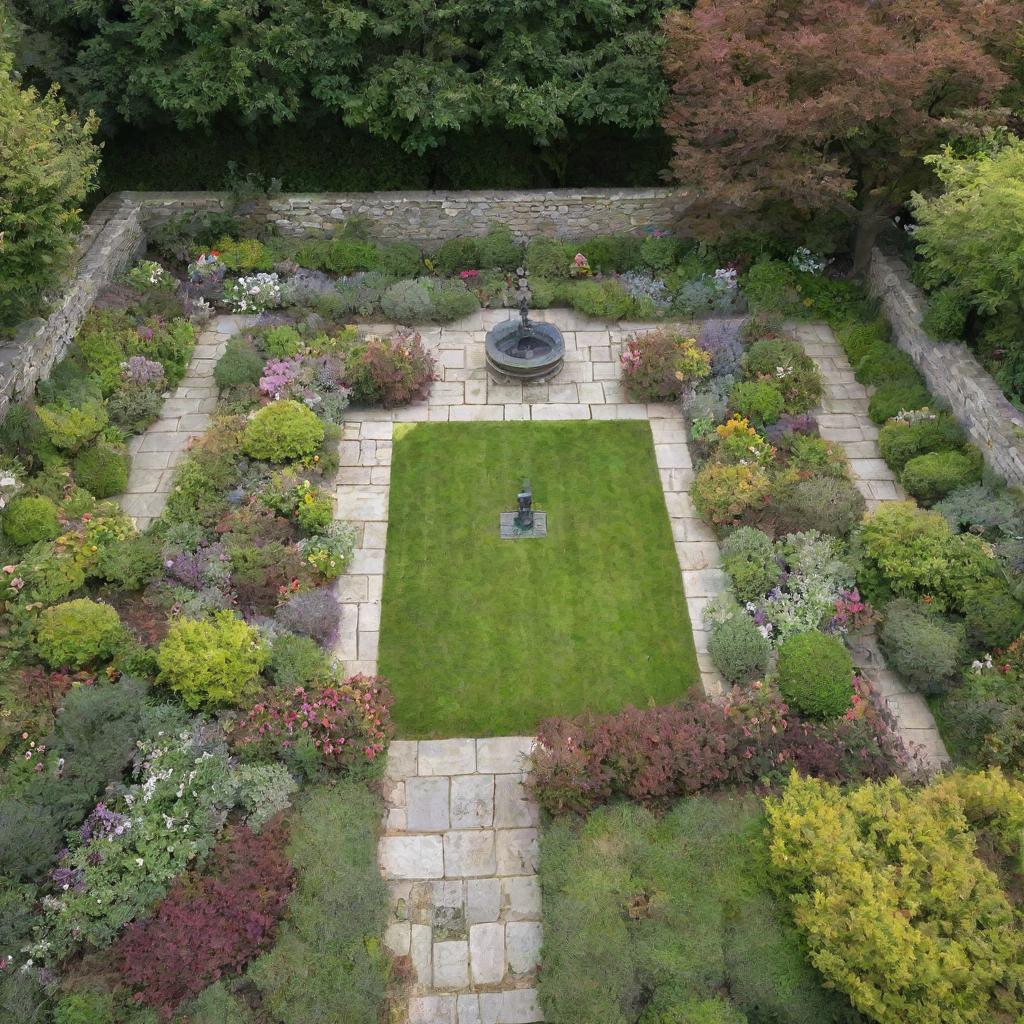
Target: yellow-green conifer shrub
(898, 909)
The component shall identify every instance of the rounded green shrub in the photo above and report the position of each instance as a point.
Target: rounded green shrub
(457, 254)
(283, 432)
(993, 616)
(347, 255)
(945, 319)
(929, 478)
(738, 650)
(896, 396)
(748, 556)
(401, 259)
(828, 504)
(901, 442)
(926, 650)
(244, 254)
(759, 401)
(78, 633)
(240, 365)
(450, 300)
(816, 674)
(282, 342)
(102, 470)
(71, 427)
(212, 662)
(499, 250)
(769, 286)
(611, 254)
(603, 300)
(883, 362)
(297, 661)
(547, 257)
(406, 302)
(28, 520)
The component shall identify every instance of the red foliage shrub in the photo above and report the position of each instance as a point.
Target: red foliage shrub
(346, 723)
(209, 924)
(659, 754)
(390, 371)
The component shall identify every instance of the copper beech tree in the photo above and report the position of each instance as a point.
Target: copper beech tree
(786, 109)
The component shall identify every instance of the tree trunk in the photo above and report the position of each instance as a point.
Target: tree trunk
(870, 222)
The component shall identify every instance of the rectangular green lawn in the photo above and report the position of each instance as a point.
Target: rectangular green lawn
(485, 637)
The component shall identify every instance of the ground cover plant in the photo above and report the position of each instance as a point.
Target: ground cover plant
(483, 636)
(665, 919)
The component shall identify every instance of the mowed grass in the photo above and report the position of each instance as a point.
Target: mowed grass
(485, 637)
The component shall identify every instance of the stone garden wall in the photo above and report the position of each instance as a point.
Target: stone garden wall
(951, 371)
(429, 218)
(111, 241)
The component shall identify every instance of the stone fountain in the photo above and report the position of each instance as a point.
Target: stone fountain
(524, 349)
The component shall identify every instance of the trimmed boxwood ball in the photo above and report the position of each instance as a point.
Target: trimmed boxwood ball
(738, 650)
(896, 396)
(28, 520)
(283, 432)
(828, 504)
(78, 633)
(993, 616)
(929, 478)
(748, 556)
(926, 650)
(816, 674)
(758, 401)
(102, 470)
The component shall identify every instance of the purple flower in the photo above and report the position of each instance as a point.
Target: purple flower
(103, 823)
(138, 371)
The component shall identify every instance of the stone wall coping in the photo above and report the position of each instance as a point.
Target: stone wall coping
(427, 195)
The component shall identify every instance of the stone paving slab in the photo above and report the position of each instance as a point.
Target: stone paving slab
(459, 854)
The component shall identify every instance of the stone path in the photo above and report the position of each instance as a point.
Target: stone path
(185, 415)
(587, 388)
(459, 853)
(843, 417)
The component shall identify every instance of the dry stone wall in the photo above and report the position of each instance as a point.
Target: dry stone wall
(429, 218)
(111, 241)
(951, 371)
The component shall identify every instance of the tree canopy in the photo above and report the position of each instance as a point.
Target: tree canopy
(48, 163)
(412, 71)
(784, 109)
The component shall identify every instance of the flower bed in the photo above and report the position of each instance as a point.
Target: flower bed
(166, 692)
(610, 277)
(945, 573)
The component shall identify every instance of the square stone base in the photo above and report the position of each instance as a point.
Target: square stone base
(509, 530)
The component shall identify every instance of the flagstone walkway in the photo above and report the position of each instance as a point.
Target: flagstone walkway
(843, 417)
(459, 854)
(184, 415)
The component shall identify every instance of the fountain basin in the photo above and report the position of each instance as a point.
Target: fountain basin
(525, 352)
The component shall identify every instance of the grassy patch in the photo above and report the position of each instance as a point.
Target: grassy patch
(665, 920)
(483, 636)
(328, 964)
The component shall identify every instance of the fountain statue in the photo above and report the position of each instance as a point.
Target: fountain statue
(524, 350)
